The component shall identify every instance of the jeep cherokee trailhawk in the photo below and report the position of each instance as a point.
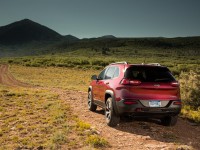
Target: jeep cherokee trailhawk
(147, 90)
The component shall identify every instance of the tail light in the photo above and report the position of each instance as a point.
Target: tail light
(130, 82)
(175, 84)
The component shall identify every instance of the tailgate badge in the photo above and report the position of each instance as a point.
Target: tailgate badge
(157, 85)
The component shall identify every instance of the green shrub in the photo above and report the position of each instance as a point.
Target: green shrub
(96, 141)
(85, 62)
(183, 68)
(59, 138)
(96, 62)
(188, 112)
(190, 87)
(175, 72)
(97, 67)
(10, 61)
(82, 125)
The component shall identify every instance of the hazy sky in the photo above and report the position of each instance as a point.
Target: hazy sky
(122, 18)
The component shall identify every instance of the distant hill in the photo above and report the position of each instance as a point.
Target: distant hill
(25, 31)
(107, 37)
(27, 37)
(187, 43)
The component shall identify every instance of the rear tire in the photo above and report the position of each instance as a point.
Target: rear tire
(111, 118)
(169, 120)
(91, 105)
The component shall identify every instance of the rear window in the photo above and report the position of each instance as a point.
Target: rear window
(149, 74)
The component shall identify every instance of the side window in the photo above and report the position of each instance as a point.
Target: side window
(101, 75)
(110, 73)
(116, 74)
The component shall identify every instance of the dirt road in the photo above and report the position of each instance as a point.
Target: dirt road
(137, 134)
(131, 134)
(6, 78)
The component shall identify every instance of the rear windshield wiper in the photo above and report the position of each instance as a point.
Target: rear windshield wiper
(161, 80)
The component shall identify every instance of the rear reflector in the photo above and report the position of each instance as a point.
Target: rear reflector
(130, 82)
(138, 109)
(175, 84)
(177, 103)
(130, 102)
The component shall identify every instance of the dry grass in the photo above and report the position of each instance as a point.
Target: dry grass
(27, 122)
(36, 118)
(66, 78)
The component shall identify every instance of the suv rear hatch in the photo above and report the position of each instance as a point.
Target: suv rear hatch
(151, 83)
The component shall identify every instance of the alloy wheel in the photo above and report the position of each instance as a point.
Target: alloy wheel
(108, 110)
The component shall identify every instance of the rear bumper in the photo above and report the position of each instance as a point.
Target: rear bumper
(138, 109)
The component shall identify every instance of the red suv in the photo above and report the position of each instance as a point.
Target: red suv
(147, 90)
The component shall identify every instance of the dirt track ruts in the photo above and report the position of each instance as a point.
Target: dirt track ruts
(137, 134)
(6, 78)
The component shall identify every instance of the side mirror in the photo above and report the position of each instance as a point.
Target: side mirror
(94, 77)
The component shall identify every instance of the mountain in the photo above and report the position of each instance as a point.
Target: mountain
(26, 31)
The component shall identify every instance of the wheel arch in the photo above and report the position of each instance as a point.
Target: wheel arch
(110, 93)
(89, 88)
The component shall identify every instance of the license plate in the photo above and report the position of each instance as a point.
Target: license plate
(155, 103)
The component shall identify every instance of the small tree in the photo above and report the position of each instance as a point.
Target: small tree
(104, 50)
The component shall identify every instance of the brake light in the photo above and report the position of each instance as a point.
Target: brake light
(125, 82)
(130, 102)
(130, 82)
(175, 84)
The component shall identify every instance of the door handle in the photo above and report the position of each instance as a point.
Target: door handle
(107, 82)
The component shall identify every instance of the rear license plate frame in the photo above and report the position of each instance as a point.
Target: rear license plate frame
(155, 103)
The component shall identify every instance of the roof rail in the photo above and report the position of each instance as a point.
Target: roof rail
(154, 64)
(122, 62)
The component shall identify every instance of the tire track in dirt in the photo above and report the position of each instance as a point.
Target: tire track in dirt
(6, 78)
(137, 134)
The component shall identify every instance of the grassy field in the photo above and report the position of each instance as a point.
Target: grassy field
(31, 118)
(35, 118)
(65, 78)
(177, 60)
